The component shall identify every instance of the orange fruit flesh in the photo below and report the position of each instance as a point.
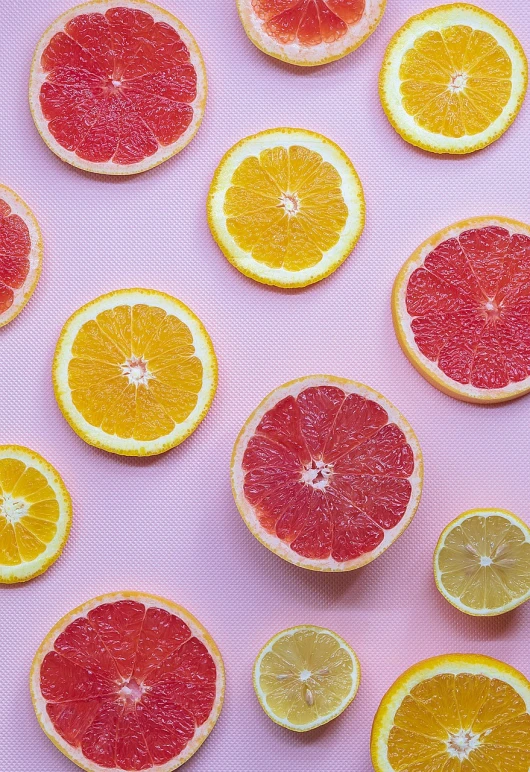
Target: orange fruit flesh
(15, 249)
(308, 22)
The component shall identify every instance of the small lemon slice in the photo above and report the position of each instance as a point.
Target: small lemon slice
(35, 514)
(482, 562)
(305, 676)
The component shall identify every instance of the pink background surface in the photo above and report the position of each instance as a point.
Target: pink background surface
(169, 525)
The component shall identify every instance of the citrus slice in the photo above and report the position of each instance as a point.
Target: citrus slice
(482, 562)
(305, 677)
(457, 712)
(20, 254)
(35, 514)
(453, 79)
(309, 32)
(134, 372)
(117, 87)
(460, 309)
(326, 473)
(127, 681)
(286, 207)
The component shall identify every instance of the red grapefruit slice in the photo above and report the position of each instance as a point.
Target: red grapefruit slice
(127, 681)
(20, 254)
(327, 473)
(461, 308)
(117, 87)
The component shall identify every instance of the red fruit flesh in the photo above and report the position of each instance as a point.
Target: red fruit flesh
(15, 248)
(308, 22)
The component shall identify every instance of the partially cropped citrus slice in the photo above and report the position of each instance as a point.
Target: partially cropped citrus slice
(134, 372)
(309, 32)
(326, 473)
(453, 79)
(482, 562)
(127, 681)
(305, 677)
(460, 309)
(286, 207)
(454, 713)
(117, 87)
(20, 254)
(35, 514)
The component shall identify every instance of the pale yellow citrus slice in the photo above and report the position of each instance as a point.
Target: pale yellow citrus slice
(453, 79)
(35, 514)
(128, 681)
(309, 32)
(482, 562)
(20, 254)
(117, 86)
(286, 207)
(454, 713)
(134, 372)
(306, 676)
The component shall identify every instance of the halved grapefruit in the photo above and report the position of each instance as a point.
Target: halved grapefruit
(117, 87)
(309, 32)
(127, 681)
(20, 254)
(460, 307)
(326, 473)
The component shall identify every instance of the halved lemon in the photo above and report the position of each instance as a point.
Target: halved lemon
(482, 562)
(286, 207)
(306, 676)
(454, 713)
(453, 79)
(134, 372)
(35, 514)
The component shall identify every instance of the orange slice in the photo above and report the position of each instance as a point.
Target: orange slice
(134, 372)
(117, 87)
(127, 681)
(35, 514)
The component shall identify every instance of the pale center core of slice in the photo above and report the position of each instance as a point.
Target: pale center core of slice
(291, 203)
(317, 474)
(462, 743)
(131, 692)
(458, 82)
(13, 509)
(136, 371)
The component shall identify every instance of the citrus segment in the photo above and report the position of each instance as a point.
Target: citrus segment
(117, 88)
(35, 514)
(453, 79)
(286, 207)
(482, 562)
(460, 309)
(326, 473)
(134, 372)
(129, 682)
(305, 677)
(452, 713)
(309, 32)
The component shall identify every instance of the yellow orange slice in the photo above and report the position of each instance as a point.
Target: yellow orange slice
(35, 514)
(134, 372)
(286, 207)
(306, 676)
(453, 79)
(454, 713)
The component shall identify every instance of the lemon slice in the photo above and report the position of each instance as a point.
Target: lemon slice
(482, 562)
(305, 676)
(453, 79)
(134, 372)
(35, 514)
(454, 713)
(286, 207)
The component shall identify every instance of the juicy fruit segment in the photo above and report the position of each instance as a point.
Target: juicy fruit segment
(285, 207)
(15, 249)
(308, 22)
(482, 562)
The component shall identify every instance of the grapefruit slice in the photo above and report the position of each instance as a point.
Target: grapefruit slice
(309, 32)
(35, 514)
(460, 309)
(454, 713)
(134, 372)
(20, 254)
(326, 473)
(127, 681)
(117, 87)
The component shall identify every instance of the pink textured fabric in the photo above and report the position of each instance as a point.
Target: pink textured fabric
(169, 525)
